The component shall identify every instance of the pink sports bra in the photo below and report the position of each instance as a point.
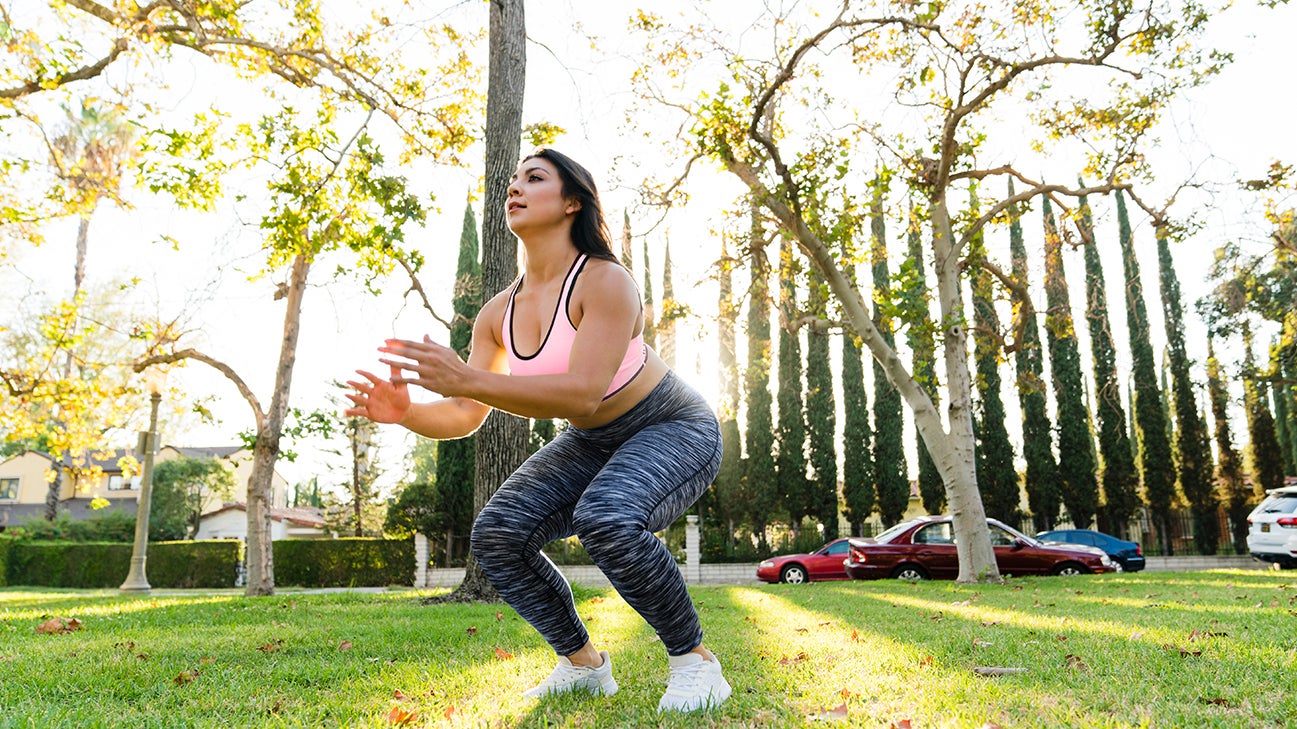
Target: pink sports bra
(556, 349)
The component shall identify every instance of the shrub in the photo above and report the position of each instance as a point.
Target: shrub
(5, 544)
(350, 562)
(105, 564)
(111, 526)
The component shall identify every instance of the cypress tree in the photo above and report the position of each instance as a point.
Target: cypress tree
(920, 335)
(1266, 456)
(626, 259)
(890, 470)
(857, 437)
(1192, 445)
(650, 326)
(455, 458)
(1041, 483)
(1120, 481)
(790, 464)
(759, 478)
(724, 499)
(542, 432)
(1283, 369)
(1156, 466)
(1076, 467)
(1229, 468)
(997, 480)
(821, 419)
(670, 312)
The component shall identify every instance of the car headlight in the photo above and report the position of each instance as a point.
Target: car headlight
(766, 563)
(1106, 560)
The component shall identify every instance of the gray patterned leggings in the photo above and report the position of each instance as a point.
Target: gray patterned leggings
(612, 486)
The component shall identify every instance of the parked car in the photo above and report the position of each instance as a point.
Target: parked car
(1128, 556)
(924, 548)
(824, 563)
(1272, 528)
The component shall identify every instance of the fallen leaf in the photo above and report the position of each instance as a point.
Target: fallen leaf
(837, 713)
(926, 661)
(998, 671)
(345, 645)
(801, 630)
(826, 623)
(902, 724)
(185, 677)
(963, 603)
(856, 636)
(937, 617)
(206, 659)
(142, 656)
(1060, 637)
(596, 599)
(989, 623)
(268, 648)
(471, 630)
(848, 694)
(128, 645)
(1137, 635)
(1075, 663)
(502, 655)
(991, 725)
(449, 712)
(400, 695)
(400, 717)
(1216, 701)
(979, 643)
(58, 626)
(499, 616)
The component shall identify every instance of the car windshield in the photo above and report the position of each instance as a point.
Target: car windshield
(1280, 504)
(890, 534)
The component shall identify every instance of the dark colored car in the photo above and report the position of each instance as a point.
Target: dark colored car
(1126, 554)
(924, 548)
(824, 563)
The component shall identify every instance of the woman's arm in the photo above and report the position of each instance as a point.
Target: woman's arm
(388, 401)
(610, 307)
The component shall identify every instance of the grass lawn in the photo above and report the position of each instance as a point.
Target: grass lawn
(1148, 649)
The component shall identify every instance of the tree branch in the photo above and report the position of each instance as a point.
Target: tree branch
(230, 374)
(417, 287)
(80, 74)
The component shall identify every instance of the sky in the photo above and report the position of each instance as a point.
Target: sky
(1229, 130)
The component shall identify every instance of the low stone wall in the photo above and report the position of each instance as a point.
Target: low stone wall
(1191, 563)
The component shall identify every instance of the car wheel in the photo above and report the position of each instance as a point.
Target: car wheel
(910, 573)
(1067, 569)
(793, 574)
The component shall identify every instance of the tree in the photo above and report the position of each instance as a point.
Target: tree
(951, 64)
(759, 477)
(182, 487)
(1076, 467)
(997, 479)
(456, 458)
(821, 419)
(858, 496)
(890, 470)
(1044, 497)
(1229, 467)
(1120, 481)
(626, 259)
(1192, 445)
(670, 312)
(1156, 466)
(921, 336)
(1265, 455)
(725, 495)
(361, 436)
(502, 440)
(790, 463)
(650, 325)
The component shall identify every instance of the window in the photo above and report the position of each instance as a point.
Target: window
(1001, 538)
(939, 533)
(839, 548)
(8, 489)
(117, 483)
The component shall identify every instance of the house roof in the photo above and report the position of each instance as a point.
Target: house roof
(207, 451)
(306, 516)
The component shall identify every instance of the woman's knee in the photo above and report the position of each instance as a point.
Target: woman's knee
(494, 533)
(597, 527)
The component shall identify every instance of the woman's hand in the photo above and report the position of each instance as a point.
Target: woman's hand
(379, 400)
(426, 364)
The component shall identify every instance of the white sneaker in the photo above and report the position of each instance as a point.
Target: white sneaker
(696, 683)
(567, 677)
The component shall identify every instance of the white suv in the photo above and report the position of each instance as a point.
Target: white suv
(1272, 528)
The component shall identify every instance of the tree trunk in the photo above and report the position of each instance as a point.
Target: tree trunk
(956, 459)
(52, 495)
(78, 276)
(260, 555)
(502, 440)
(355, 478)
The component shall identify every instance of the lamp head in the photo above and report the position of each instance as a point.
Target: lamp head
(155, 379)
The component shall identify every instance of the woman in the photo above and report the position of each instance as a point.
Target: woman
(566, 341)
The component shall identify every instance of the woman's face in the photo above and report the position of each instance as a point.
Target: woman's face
(535, 200)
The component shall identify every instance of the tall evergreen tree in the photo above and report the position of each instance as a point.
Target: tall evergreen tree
(1283, 370)
(650, 312)
(997, 479)
(759, 478)
(666, 330)
(1156, 466)
(790, 464)
(921, 336)
(857, 437)
(1191, 442)
(1076, 466)
(1266, 456)
(724, 500)
(455, 458)
(1120, 480)
(821, 419)
(542, 432)
(890, 470)
(626, 259)
(1041, 483)
(1229, 468)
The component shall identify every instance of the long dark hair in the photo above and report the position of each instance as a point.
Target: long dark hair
(589, 229)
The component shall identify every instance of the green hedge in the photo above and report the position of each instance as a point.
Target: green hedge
(5, 544)
(104, 564)
(352, 562)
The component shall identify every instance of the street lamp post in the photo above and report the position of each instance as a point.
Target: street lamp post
(136, 581)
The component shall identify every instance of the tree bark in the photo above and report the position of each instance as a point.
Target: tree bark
(502, 440)
(260, 555)
(52, 495)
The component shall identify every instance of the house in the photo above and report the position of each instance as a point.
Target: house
(24, 487)
(230, 521)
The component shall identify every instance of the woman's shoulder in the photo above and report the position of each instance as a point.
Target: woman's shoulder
(603, 273)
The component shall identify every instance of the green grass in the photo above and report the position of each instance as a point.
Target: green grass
(1149, 649)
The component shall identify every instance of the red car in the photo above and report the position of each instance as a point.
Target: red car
(924, 548)
(824, 563)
